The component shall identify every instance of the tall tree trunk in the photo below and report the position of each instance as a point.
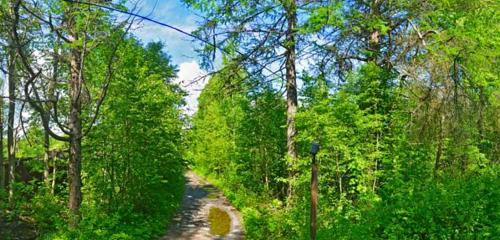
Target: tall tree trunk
(75, 126)
(54, 175)
(439, 150)
(46, 146)
(291, 89)
(482, 106)
(10, 128)
(46, 140)
(2, 165)
(374, 38)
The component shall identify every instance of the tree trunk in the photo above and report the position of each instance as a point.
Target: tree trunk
(46, 139)
(439, 151)
(75, 126)
(2, 165)
(54, 175)
(291, 89)
(46, 146)
(266, 170)
(10, 121)
(374, 38)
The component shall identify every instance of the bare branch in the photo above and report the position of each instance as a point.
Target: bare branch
(32, 76)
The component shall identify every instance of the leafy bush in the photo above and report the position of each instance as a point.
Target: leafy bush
(466, 208)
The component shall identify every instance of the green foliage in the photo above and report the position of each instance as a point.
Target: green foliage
(238, 140)
(132, 162)
(324, 16)
(48, 212)
(134, 168)
(403, 97)
(388, 168)
(239, 136)
(452, 209)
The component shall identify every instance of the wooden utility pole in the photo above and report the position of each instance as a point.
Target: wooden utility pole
(314, 189)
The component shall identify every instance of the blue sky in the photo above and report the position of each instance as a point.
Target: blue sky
(179, 46)
(175, 13)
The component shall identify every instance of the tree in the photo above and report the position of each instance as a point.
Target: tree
(264, 37)
(398, 93)
(134, 163)
(11, 152)
(80, 29)
(238, 134)
(13, 76)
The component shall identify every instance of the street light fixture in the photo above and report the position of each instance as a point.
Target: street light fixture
(314, 148)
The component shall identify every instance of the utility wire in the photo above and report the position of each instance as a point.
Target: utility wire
(168, 26)
(142, 17)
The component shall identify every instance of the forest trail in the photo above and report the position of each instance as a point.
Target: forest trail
(192, 220)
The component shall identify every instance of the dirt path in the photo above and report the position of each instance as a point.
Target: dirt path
(192, 220)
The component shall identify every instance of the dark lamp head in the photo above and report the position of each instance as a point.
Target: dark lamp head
(314, 148)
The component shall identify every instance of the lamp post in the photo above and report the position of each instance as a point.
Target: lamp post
(314, 189)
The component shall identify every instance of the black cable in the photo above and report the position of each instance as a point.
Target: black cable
(143, 17)
(168, 26)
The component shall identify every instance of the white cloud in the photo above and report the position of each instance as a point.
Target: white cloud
(154, 32)
(174, 12)
(190, 78)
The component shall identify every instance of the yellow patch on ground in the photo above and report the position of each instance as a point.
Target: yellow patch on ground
(220, 222)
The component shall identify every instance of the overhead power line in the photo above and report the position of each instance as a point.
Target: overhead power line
(142, 17)
(171, 27)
